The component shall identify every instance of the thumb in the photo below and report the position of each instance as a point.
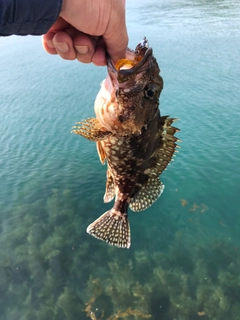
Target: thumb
(116, 37)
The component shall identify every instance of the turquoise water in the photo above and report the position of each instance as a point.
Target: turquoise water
(184, 260)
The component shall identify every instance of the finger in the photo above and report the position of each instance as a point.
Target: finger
(85, 47)
(47, 39)
(47, 43)
(63, 44)
(99, 57)
(116, 37)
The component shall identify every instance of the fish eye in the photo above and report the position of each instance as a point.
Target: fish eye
(151, 91)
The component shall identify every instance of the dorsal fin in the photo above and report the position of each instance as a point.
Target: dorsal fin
(110, 188)
(167, 145)
(147, 195)
(91, 129)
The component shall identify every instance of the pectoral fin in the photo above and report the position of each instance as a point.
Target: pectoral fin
(91, 129)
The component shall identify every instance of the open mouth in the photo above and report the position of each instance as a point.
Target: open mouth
(134, 61)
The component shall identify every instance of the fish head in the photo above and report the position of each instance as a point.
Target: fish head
(129, 96)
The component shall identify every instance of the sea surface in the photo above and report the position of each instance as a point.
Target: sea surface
(184, 260)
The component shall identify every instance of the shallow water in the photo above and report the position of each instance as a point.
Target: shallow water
(185, 255)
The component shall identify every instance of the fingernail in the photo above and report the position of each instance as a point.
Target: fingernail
(61, 46)
(50, 44)
(82, 49)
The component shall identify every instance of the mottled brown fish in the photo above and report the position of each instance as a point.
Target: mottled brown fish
(131, 136)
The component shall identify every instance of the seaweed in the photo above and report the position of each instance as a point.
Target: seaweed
(91, 313)
(50, 269)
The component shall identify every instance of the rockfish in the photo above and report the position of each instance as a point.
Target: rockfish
(131, 136)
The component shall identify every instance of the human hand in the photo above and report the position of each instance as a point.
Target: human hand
(86, 29)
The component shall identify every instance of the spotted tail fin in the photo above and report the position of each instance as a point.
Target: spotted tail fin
(112, 227)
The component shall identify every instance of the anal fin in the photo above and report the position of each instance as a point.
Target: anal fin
(112, 227)
(110, 188)
(91, 129)
(147, 195)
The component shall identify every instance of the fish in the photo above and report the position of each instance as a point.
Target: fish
(132, 137)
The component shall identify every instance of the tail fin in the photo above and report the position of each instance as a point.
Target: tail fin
(112, 227)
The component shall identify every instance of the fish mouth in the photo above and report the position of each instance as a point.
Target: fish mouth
(133, 64)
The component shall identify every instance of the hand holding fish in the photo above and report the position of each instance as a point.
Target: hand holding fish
(86, 29)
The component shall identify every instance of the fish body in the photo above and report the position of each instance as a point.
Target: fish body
(135, 141)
